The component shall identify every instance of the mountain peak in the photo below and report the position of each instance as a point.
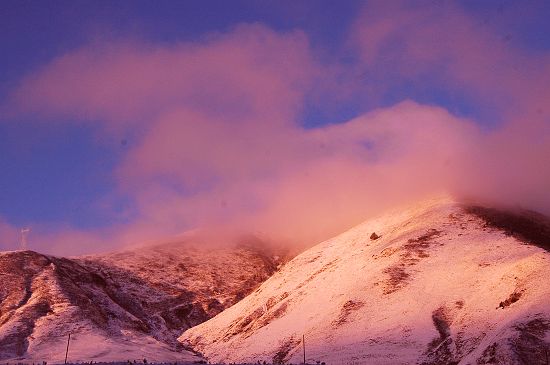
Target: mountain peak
(441, 284)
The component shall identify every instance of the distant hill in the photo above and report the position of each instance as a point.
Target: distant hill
(120, 306)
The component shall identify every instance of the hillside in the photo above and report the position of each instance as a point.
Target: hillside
(120, 306)
(443, 284)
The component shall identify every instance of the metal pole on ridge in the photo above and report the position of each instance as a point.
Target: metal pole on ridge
(67, 351)
(304, 347)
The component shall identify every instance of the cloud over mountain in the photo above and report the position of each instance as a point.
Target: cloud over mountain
(218, 139)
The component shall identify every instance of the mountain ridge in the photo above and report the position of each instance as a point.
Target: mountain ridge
(442, 284)
(122, 305)
(438, 282)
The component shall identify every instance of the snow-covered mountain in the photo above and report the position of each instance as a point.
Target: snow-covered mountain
(444, 283)
(120, 306)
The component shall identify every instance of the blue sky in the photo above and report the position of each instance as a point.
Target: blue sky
(59, 172)
(34, 32)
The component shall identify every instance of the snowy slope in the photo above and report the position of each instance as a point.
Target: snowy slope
(444, 284)
(119, 306)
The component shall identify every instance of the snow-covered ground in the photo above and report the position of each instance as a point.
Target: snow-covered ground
(440, 286)
(120, 306)
(443, 284)
(93, 345)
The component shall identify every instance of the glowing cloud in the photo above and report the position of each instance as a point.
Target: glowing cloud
(220, 145)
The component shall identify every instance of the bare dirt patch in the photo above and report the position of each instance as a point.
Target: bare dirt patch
(489, 355)
(410, 254)
(347, 309)
(514, 297)
(397, 278)
(439, 350)
(281, 356)
(274, 308)
(527, 226)
(529, 346)
(526, 347)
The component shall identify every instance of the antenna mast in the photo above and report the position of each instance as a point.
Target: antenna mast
(24, 234)
(304, 347)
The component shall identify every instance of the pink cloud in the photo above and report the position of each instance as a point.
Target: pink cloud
(443, 42)
(221, 148)
(9, 236)
(291, 183)
(251, 71)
